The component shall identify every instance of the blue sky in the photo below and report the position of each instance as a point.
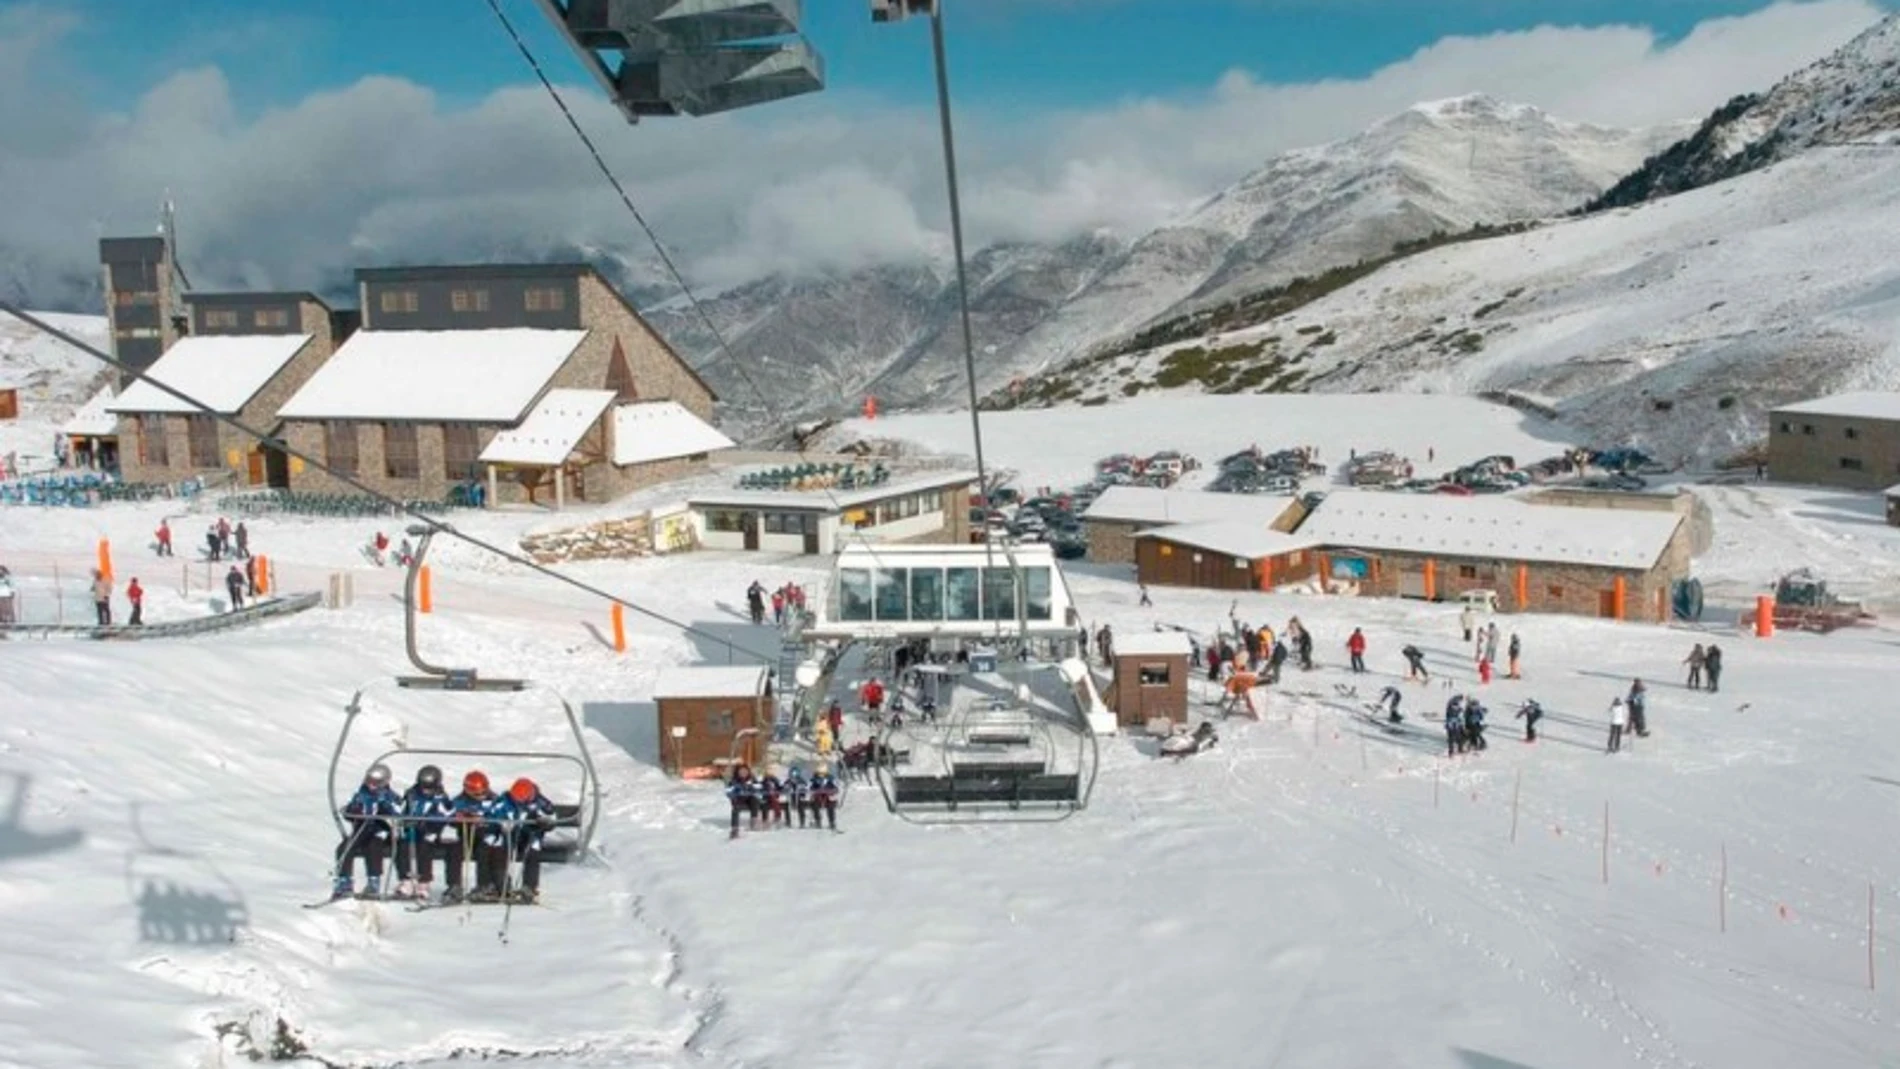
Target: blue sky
(1061, 52)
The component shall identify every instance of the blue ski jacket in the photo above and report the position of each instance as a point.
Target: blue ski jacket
(369, 803)
(428, 810)
(825, 786)
(771, 787)
(489, 815)
(743, 790)
(797, 785)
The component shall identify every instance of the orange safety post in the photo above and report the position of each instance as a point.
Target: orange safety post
(1325, 569)
(1266, 575)
(620, 628)
(1618, 591)
(1523, 588)
(426, 602)
(1662, 606)
(1431, 580)
(263, 574)
(105, 558)
(1764, 616)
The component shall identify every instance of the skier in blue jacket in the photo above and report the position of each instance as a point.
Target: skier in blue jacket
(798, 788)
(1454, 725)
(425, 809)
(1474, 725)
(744, 794)
(369, 833)
(482, 819)
(772, 798)
(824, 796)
(536, 815)
(1389, 700)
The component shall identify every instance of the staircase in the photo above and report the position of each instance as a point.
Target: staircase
(791, 653)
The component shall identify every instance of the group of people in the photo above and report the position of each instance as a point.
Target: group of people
(1464, 725)
(1629, 714)
(789, 598)
(501, 833)
(767, 800)
(378, 551)
(1705, 666)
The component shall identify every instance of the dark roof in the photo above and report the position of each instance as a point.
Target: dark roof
(118, 250)
(473, 271)
(260, 297)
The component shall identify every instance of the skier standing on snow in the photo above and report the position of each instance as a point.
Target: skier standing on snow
(1491, 642)
(234, 585)
(536, 815)
(1638, 705)
(1619, 719)
(426, 809)
(369, 833)
(778, 607)
(243, 537)
(135, 594)
(211, 542)
(224, 536)
(1389, 700)
(481, 818)
(102, 597)
(1305, 640)
(824, 796)
(1415, 664)
(755, 602)
(1512, 652)
(835, 717)
(743, 792)
(1276, 660)
(1530, 712)
(1356, 650)
(1474, 725)
(1695, 661)
(164, 538)
(1468, 620)
(1145, 601)
(1454, 725)
(378, 546)
(1712, 664)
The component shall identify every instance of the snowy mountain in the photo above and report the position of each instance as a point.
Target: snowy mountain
(53, 378)
(1850, 96)
(1436, 168)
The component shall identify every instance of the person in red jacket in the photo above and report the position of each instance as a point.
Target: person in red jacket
(872, 695)
(135, 594)
(1356, 646)
(164, 538)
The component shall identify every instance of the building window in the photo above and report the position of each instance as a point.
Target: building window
(932, 501)
(153, 452)
(1554, 591)
(461, 448)
(221, 319)
(468, 300)
(1296, 558)
(1807, 428)
(1154, 675)
(398, 301)
(790, 523)
(962, 597)
(201, 435)
(544, 299)
(1467, 571)
(1850, 464)
(854, 594)
(271, 317)
(339, 445)
(1038, 593)
(999, 594)
(1787, 427)
(1850, 432)
(719, 722)
(727, 520)
(401, 458)
(891, 592)
(926, 593)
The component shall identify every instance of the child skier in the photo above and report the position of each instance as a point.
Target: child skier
(1356, 650)
(1455, 725)
(799, 788)
(1415, 664)
(1474, 725)
(369, 833)
(1530, 712)
(824, 796)
(772, 794)
(1389, 699)
(425, 810)
(1511, 652)
(481, 818)
(1695, 661)
(536, 815)
(1619, 719)
(743, 792)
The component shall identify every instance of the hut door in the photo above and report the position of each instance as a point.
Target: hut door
(811, 534)
(1411, 581)
(751, 528)
(1606, 604)
(256, 465)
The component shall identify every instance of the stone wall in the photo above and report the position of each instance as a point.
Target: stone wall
(1577, 590)
(658, 372)
(1112, 541)
(1813, 448)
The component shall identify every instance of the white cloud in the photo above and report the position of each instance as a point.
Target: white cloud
(383, 171)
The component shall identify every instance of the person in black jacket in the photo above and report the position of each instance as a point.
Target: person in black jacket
(1712, 666)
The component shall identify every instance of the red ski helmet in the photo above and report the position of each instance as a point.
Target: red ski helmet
(523, 790)
(475, 783)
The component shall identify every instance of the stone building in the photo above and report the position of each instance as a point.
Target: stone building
(537, 381)
(1849, 439)
(249, 354)
(1613, 563)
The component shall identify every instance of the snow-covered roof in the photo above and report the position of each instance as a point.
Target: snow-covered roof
(477, 376)
(1490, 527)
(710, 681)
(552, 430)
(835, 500)
(646, 431)
(224, 371)
(1860, 404)
(1251, 539)
(1146, 504)
(1892, 491)
(93, 419)
(1153, 644)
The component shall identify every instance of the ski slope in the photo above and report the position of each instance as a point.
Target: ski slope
(1309, 893)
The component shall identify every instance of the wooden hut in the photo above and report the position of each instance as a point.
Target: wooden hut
(1150, 677)
(712, 715)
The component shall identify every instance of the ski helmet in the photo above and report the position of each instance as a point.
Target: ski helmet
(523, 790)
(428, 776)
(475, 783)
(378, 774)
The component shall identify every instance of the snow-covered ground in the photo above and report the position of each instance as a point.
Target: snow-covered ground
(1059, 446)
(1310, 893)
(53, 379)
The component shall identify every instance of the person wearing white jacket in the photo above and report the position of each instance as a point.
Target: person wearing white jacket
(1619, 719)
(1468, 619)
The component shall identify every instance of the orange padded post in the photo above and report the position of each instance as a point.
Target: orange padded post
(1523, 588)
(1764, 616)
(263, 574)
(1431, 580)
(620, 628)
(1618, 592)
(423, 593)
(105, 558)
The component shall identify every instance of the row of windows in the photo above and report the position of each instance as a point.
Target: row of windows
(402, 454)
(134, 298)
(928, 595)
(201, 442)
(1850, 433)
(907, 507)
(475, 299)
(231, 319)
(801, 523)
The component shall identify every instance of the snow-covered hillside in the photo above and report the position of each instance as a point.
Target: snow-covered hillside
(53, 378)
(1672, 325)
(1312, 888)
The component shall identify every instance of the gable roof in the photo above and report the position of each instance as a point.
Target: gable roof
(1153, 644)
(474, 376)
(1146, 504)
(223, 371)
(710, 681)
(1251, 539)
(1865, 404)
(834, 501)
(646, 431)
(93, 419)
(1499, 528)
(552, 430)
